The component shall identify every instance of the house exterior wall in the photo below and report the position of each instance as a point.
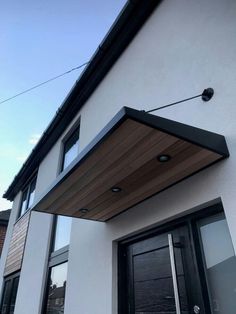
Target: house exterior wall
(184, 47)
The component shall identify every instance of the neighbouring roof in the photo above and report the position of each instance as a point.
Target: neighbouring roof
(128, 23)
(5, 215)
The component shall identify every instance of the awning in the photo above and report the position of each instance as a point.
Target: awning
(136, 156)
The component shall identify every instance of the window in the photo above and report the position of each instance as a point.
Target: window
(71, 148)
(9, 294)
(56, 284)
(62, 232)
(27, 197)
(55, 298)
(219, 262)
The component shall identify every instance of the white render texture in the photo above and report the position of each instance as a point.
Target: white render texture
(184, 47)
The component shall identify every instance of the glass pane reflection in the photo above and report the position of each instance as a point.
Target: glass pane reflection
(220, 263)
(57, 289)
(6, 297)
(23, 203)
(71, 149)
(62, 232)
(32, 193)
(13, 296)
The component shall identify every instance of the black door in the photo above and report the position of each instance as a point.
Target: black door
(161, 276)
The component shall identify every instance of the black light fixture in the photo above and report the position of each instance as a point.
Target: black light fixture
(83, 210)
(163, 158)
(116, 189)
(207, 94)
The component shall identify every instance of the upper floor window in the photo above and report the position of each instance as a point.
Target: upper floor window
(27, 197)
(71, 148)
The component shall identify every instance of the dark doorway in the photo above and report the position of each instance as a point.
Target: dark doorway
(172, 270)
(162, 278)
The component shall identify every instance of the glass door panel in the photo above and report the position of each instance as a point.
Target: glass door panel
(220, 263)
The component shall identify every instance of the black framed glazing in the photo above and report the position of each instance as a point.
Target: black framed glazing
(27, 197)
(70, 146)
(190, 221)
(9, 293)
(56, 288)
(56, 258)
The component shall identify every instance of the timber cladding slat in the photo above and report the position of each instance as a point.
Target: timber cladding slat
(17, 244)
(126, 155)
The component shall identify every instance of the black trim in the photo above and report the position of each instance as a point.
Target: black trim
(26, 189)
(55, 258)
(128, 23)
(208, 140)
(3, 222)
(10, 278)
(58, 259)
(73, 134)
(46, 289)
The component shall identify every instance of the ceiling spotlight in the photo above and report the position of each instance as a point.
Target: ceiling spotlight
(83, 210)
(116, 189)
(163, 158)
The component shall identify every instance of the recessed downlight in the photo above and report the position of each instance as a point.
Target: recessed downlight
(163, 158)
(116, 189)
(83, 210)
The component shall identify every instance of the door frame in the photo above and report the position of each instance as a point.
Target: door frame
(190, 220)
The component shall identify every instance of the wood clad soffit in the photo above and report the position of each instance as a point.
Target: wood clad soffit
(125, 155)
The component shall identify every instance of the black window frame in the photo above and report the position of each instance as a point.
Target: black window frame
(54, 252)
(60, 256)
(56, 258)
(11, 279)
(74, 132)
(27, 191)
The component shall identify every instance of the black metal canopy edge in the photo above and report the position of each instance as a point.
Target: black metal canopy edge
(206, 139)
(211, 141)
(124, 29)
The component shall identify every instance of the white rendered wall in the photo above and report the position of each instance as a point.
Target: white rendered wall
(184, 47)
(35, 262)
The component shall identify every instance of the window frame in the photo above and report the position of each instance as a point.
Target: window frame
(62, 249)
(70, 133)
(59, 256)
(56, 258)
(10, 279)
(46, 288)
(27, 190)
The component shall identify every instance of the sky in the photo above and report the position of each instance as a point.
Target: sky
(39, 40)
